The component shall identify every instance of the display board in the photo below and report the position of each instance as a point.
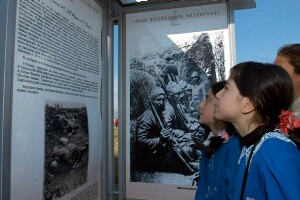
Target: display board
(56, 100)
(172, 57)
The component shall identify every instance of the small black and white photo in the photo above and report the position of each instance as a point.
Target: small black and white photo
(66, 148)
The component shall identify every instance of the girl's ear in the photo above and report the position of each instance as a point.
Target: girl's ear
(247, 105)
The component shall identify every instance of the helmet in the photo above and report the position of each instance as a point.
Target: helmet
(156, 92)
(172, 87)
(195, 74)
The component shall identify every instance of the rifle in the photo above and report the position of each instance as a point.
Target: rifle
(180, 116)
(162, 125)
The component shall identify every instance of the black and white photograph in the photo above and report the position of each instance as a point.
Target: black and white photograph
(166, 88)
(172, 58)
(66, 148)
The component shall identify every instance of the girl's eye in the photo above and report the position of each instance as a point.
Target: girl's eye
(207, 99)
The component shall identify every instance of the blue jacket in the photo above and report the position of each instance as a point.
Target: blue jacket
(274, 171)
(217, 173)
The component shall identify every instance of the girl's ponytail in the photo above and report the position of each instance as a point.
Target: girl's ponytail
(216, 142)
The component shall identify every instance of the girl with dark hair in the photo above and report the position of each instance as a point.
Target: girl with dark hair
(221, 151)
(252, 100)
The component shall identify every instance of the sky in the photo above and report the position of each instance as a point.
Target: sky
(259, 33)
(262, 30)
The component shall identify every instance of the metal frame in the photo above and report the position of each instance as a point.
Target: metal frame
(7, 40)
(122, 64)
(238, 4)
(107, 106)
(7, 23)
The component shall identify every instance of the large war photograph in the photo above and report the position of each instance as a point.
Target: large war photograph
(66, 148)
(172, 58)
(166, 87)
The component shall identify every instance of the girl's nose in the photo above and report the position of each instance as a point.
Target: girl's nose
(201, 104)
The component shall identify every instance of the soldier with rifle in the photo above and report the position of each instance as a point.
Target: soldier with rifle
(200, 85)
(180, 119)
(158, 148)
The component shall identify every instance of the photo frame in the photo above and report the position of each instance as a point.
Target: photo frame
(172, 56)
(56, 120)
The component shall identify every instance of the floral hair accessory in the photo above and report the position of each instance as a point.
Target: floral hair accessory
(288, 121)
(224, 135)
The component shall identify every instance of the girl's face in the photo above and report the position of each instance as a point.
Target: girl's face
(290, 69)
(207, 107)
(228, 106)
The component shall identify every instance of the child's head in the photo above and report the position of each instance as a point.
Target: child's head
(288, 57)
(207, 106)
(264, 89)
(207, 117)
